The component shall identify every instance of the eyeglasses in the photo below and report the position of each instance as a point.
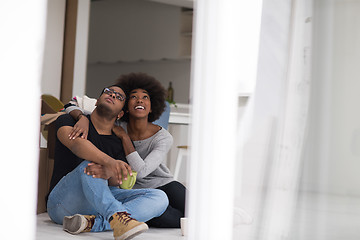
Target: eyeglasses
(110, 92)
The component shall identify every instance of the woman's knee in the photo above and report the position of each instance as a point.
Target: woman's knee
(177, 186)
(173, 186)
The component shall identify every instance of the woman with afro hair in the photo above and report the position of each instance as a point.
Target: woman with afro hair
(146, 144)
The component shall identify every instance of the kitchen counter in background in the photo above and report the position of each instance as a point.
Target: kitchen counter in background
(179, 114)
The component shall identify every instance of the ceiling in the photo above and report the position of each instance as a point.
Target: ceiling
(181, 3)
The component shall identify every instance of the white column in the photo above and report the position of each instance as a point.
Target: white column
(81, 47)
(53, 53)
(22, 25)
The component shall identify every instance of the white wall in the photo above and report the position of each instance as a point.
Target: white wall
(177, 71)
(54, 41)
(124, 32)
(130, 30)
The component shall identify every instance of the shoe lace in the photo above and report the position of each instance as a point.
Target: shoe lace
(124, 218)
(90, 222)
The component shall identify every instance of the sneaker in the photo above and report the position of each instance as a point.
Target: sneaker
(126, 227)
(78, 223)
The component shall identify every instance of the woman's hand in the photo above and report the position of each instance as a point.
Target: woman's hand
(119, 132)
(80, 129)
(126, 141)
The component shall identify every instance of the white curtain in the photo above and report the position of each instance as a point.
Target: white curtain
(225, 54)
(274, 127)
(22, 25)
(298, 162)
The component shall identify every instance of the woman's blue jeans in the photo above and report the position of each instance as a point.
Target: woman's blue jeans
(78, 193)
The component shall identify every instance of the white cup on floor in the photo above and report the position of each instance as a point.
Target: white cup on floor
(183, 225)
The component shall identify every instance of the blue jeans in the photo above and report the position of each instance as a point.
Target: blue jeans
(78, 193)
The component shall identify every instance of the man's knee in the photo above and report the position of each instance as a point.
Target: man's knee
(161, 198)
(81, 167)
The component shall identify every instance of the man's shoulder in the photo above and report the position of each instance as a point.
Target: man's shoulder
(65, 120)
(65, 117)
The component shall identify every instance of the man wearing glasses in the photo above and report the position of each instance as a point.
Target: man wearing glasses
(83, 203)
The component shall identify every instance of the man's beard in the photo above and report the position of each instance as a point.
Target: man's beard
(104, 111)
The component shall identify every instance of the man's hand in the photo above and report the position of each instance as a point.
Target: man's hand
(97, 171)
(84, 149)
(116, 169)
(81, 127)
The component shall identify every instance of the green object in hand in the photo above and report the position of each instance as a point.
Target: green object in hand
(129, 182)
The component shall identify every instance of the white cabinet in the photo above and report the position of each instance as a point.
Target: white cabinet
(180, 135)
(179, 129)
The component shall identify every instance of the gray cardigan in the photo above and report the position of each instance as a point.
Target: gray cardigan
(149, 159)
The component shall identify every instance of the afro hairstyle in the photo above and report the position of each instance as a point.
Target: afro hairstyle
(157, 92)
